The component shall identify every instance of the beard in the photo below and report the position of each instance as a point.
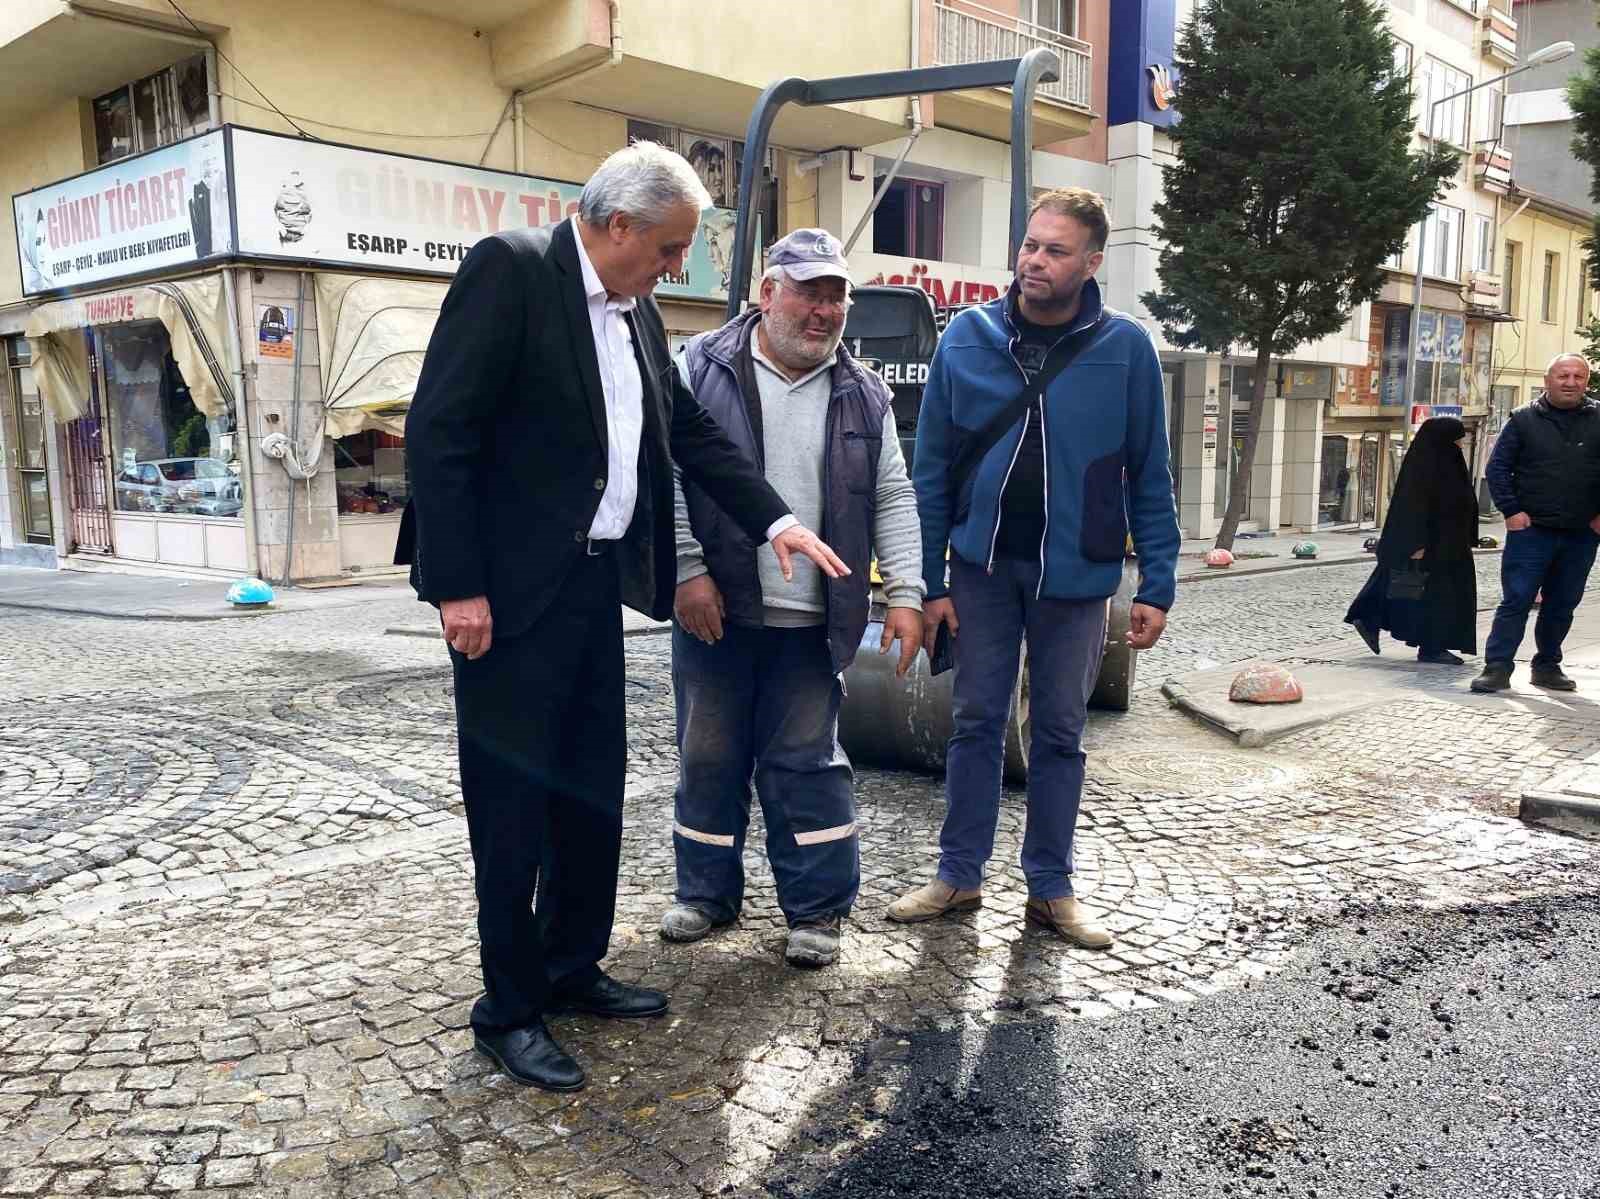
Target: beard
(794, 347)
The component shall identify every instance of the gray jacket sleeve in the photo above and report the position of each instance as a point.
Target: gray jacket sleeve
(896, 532)
(691, 555)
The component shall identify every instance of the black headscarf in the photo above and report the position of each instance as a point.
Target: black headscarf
(1433, 506)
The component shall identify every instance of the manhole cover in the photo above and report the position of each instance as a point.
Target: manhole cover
(1188, 772)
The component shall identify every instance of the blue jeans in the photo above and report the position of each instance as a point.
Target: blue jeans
(1066, 639)
(762, 701)
(1554, 560)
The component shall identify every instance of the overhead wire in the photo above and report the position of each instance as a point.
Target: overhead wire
(200, 32)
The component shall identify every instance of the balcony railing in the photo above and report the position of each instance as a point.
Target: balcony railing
(973, 33)
(1499, 33)
(1491, 167)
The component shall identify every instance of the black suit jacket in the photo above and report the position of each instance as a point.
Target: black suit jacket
(506, 440)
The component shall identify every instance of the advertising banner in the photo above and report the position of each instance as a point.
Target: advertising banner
(164, 210)
(363, 209)
(1396, 345)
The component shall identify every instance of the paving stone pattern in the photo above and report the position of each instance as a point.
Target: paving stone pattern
(237, 956)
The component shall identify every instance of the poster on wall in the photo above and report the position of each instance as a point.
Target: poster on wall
(363, 209)
(155, 211)
(1396, 345)
(709, 156)
(274, 333)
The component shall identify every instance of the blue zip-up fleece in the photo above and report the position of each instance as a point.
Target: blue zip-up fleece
(1106, 462)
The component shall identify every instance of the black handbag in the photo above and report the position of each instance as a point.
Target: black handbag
(1407, 584)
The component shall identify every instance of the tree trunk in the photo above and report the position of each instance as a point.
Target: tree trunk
(1247, 457)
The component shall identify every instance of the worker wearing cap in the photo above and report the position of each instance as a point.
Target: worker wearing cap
(757, 660)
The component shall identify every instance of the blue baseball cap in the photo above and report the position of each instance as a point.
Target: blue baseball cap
(810, 254)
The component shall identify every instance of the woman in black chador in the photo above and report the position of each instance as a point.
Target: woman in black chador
(1424, 589)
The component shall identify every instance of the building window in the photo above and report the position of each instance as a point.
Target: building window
(1058, 16)
(1444, 228)
(1491, 114)
(1513, 261)
(1449, 122)
(1483, 244)
(26, 431)
(155, 111)
(370, 473)
(1402, 60)
(910, 220)
(1550, 289)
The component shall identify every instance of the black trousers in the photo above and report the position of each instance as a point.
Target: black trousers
(543, 749)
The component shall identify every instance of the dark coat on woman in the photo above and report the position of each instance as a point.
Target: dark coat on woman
(1434, 510)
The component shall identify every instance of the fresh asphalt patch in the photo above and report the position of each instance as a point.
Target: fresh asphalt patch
(1402, 1052)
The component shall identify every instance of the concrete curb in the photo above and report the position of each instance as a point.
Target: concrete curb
(432, 631)
(1238, 571)
(1560, 813)
(149, 613)
(1255, 733)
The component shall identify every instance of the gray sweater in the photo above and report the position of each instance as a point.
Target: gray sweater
(794, 426)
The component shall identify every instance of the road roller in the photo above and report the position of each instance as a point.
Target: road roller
(889, 721)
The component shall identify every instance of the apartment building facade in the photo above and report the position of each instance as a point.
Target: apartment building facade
(230, 225)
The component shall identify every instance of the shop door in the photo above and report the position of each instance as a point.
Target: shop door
(1336, 502)
(87, 474)
(1367, 479)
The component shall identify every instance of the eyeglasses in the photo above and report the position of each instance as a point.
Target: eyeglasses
(814, 299)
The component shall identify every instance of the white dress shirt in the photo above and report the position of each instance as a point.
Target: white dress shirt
(624, 396)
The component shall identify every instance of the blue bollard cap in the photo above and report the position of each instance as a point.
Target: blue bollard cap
(250, 593)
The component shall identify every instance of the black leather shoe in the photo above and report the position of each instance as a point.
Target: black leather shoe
(1496, 676)
(1438, 657)
(531, 1057)
(607, 997)
(1552, 678)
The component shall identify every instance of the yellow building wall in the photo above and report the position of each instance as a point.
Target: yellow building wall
(331, 65)
(47, 146)
(1524, 348)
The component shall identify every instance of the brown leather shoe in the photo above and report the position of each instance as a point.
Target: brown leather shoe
(932, 900)
(1071, 920)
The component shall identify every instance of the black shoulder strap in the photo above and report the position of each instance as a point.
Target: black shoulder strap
(980, 443)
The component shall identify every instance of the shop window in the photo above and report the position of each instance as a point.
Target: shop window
(370, 473)
(169, 457)
(910, 220)
(154, 111)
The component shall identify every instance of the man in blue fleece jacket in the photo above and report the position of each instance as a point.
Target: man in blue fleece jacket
(1036, 531)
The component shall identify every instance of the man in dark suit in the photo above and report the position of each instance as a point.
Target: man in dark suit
(540, 444)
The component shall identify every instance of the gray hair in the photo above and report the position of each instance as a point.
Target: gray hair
(643, 180)
(1560, 358)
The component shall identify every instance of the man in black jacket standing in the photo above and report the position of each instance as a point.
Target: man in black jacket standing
(1544, 475)
(540, 444)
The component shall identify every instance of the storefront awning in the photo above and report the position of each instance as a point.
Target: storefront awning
(193, 311)
(372, 334)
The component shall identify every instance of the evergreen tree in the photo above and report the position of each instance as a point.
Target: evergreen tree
(1294, 181)
(1583, 97)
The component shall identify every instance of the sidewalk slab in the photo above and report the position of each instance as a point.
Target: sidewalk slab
(164, 597)
(1331, 691)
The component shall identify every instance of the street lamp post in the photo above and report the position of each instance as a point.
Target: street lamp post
(1551, 53)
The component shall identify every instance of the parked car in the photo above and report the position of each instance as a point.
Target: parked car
(192, 486)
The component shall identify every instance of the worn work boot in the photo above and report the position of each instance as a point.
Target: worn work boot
(1553, 678)
(931, 900)
(813, 943)
(1071, 919)
(1496, 676)
(683, 922)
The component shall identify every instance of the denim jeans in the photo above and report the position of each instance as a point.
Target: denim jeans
(762, 701)
(1066, 639)
(1554, 560)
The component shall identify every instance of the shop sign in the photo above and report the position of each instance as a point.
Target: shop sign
(952, 285)
(304, 200)
(159, 211)
(1396, 346)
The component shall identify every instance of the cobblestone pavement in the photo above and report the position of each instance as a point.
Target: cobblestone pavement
(236, 952)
